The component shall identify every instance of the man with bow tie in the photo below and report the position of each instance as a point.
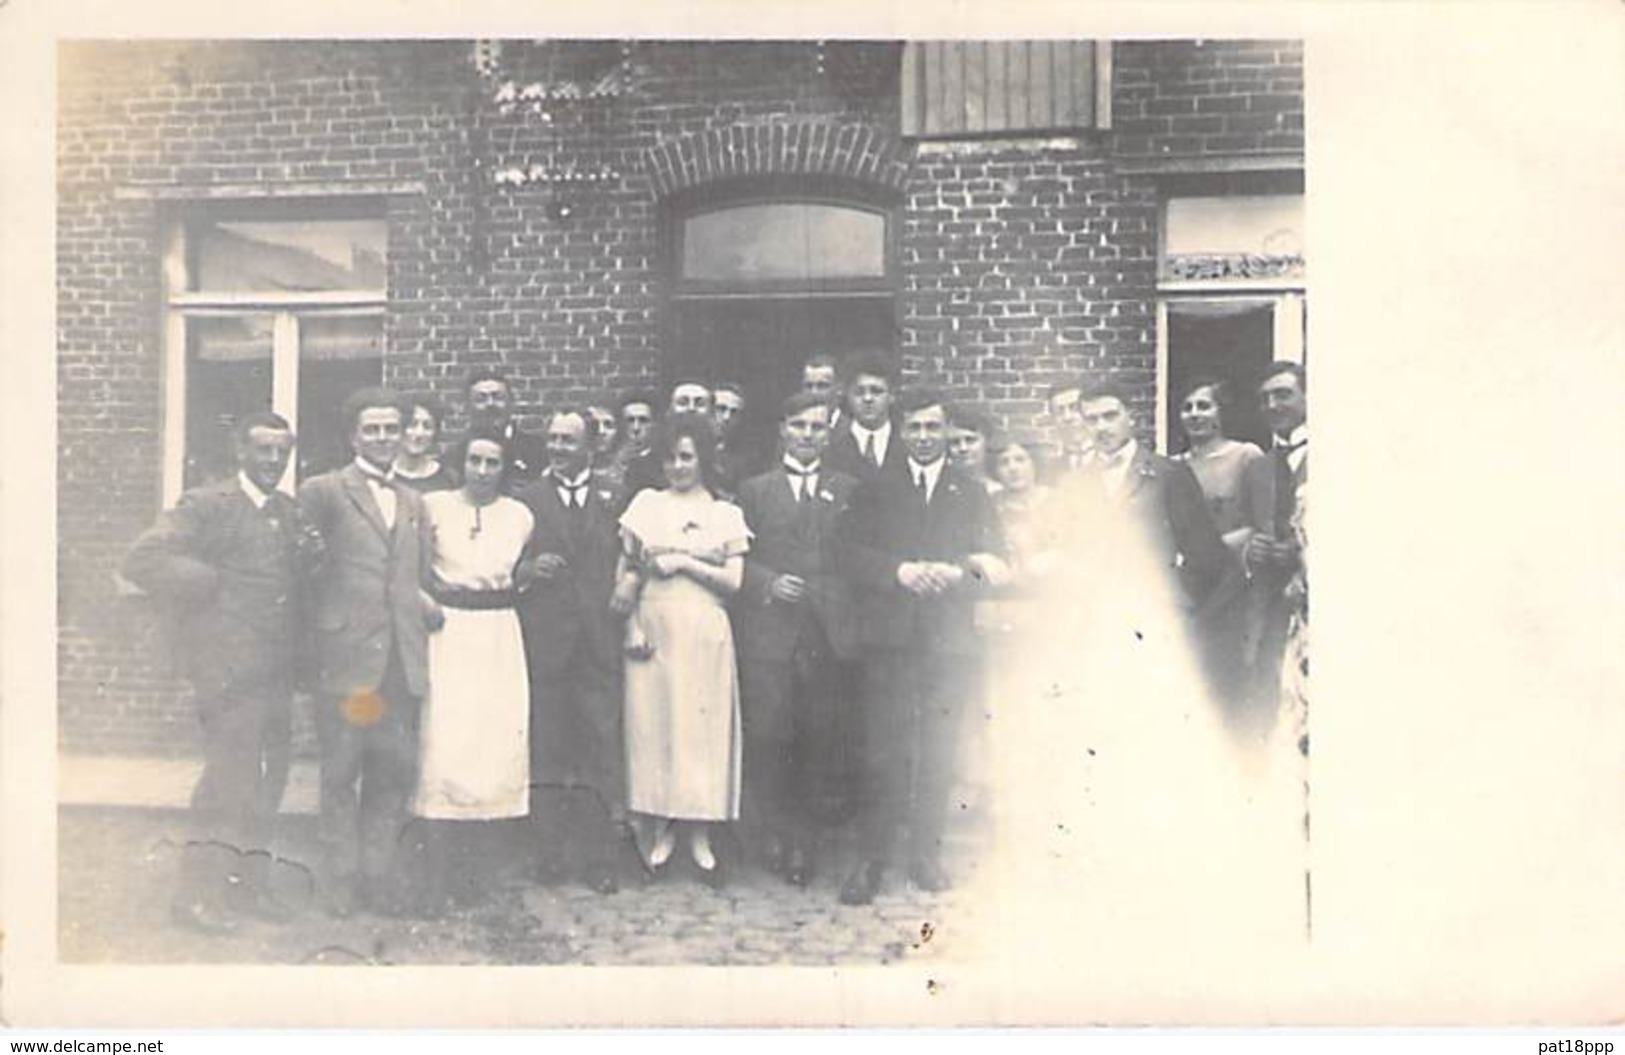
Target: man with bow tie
(1272, 557)
(372, 618)
(918, 547)
(572, 646)
(795, 636)
(231, 562)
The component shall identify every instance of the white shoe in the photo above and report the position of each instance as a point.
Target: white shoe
(664, 844)
(700, 848)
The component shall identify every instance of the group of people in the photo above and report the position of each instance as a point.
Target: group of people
(632, 631)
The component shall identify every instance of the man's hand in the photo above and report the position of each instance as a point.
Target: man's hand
(790, 589)
(929, 578)
(547, 565)
(666, 565)
(434, 617)
(918, 579)
(625, 596)
(989, 570)
(1262, 551)
(947, 576)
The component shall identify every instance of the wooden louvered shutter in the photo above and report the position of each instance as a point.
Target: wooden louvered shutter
(974, 87)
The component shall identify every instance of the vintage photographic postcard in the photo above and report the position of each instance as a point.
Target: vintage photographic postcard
(760, 517)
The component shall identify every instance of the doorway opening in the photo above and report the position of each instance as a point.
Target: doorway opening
(766, 275)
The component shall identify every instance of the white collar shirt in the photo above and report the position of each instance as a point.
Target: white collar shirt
(252, 490)
(1114, 468)
(573, 493)
(383, 490)
(882, 439)
(1297, 446)
(932, 474)
(803, 478)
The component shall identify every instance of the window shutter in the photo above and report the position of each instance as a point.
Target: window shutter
(971, 87)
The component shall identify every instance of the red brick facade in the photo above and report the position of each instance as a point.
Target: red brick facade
(1015, 259)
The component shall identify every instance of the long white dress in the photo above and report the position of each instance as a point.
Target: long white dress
(474, 754)
(683, 743)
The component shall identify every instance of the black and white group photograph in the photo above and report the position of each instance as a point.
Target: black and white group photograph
(642, 502)
(755, 501)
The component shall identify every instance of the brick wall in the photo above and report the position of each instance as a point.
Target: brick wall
(146, 115)
(1178, 99)
(1018, 260)
(1022, 264)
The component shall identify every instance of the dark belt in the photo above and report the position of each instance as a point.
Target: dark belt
(474, 600)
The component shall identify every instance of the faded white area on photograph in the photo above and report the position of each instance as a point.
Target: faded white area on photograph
(1132, 821)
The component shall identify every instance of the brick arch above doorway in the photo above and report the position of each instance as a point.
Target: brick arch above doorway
(814, 148)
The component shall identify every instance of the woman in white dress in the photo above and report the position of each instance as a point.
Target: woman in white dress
(683, 556)
(474, 756)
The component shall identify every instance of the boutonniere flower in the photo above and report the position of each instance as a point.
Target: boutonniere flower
(825, 496)
(606, 494)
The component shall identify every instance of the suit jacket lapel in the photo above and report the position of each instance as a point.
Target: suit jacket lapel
(1140, 473)
(552, 507)
(360, 494)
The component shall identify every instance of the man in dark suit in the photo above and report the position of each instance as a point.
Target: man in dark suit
(734, 463)
(820, 376)
(636, 420)
(795, 635)
(688, 396)
(1150, 552)
(1272, 557)
(372, 618)
(1062, 404)
(864, 444)
(573, 648)
(229, 562)
(918, 547)
(490, 413)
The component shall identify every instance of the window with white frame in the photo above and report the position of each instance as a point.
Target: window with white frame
(1231, 298)
(268, 306)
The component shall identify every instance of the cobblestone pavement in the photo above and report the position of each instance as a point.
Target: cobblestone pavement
(116, 865)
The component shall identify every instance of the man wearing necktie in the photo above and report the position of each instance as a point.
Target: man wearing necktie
(572, 646)
(1272, 557)
(918, 548)
(373, 615)
(864, 444)
(231, 563)
(1062, 404)
(794, 629)
(1154, 565)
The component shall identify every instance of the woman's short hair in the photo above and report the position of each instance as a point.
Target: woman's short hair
(460, 451)
(1035, 453)
(697, 427)
(1220, 389)
(437, 410)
